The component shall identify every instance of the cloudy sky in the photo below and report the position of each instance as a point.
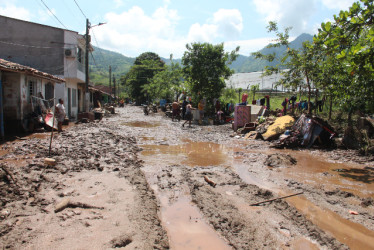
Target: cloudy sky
(166, 26)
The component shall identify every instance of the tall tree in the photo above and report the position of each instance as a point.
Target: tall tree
(300, 63)
(145, 67)
(165, 84)
(349, 42)
(206, 68)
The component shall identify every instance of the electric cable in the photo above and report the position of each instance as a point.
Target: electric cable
(80, 9)
(53, 14)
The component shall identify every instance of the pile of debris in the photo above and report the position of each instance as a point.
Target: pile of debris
(284, 131)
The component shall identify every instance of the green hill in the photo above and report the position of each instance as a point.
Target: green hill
(250, 64)
(99, 63)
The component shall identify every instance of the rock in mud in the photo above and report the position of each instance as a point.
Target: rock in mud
(280, 160)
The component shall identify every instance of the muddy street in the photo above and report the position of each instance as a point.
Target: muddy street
(145, 182)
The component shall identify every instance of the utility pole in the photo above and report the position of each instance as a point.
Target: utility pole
(118, 90)
(114, 85)
(87, 94)
(110, 83)
(88, 40)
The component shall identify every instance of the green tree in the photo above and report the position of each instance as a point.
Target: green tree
(165, 84)
(348, 41)
(206, 68)
(300, 63)
(145, 67)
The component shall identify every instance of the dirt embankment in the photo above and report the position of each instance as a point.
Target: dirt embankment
(96, 165)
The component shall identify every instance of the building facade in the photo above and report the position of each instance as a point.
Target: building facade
(52, 50)
(22, 88)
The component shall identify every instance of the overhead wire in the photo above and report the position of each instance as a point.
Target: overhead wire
(93, 58)
(70, 11)
(53, 14)
(97, 44)
(80, 9)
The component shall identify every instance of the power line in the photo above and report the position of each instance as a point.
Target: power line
(30, 46)
(53, 14)
(93, 58)
(80, 9)
(101, 54)
(72, 13)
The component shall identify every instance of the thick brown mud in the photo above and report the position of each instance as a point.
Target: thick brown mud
(150, 174)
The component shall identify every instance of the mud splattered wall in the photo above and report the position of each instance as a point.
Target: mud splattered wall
(12, 97)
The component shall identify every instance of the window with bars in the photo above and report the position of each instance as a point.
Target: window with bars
(31, 89)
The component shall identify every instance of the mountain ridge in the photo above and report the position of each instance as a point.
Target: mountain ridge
(121, 64)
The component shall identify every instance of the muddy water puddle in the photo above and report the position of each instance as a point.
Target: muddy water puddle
(186, 227)
(352, 234)
(315, 170)
(309, 168)
(183, 221)
(141, 124)
(318, 171)
(189, 153)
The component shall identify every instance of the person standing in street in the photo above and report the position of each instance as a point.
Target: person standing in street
(189, 109)
(60, 114)
(176, 110)
(184, 105)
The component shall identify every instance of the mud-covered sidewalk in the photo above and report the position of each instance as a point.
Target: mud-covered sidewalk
(146, 182)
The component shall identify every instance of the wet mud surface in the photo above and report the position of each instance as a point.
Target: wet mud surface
(152, 184)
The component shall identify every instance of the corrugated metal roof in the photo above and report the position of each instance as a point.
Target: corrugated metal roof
(15, 67)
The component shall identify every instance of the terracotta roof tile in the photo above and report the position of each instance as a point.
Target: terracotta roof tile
(15, 67)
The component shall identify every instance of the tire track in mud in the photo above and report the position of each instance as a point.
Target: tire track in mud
(226, 209)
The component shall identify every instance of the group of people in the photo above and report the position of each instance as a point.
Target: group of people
(186, 111)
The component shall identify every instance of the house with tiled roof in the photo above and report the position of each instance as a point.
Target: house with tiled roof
(21, 89)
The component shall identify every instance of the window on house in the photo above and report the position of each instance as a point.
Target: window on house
(49, 91)
(74, 98)
(31, 91)
(79, 55)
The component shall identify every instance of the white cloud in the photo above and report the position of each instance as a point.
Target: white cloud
(288, 13)
(225, 24)
(202, 33)
(9, 9)
(229, 22)
(338, 4)
(118, 3)
(133, 32)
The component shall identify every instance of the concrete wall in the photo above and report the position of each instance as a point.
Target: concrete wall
(74, 64)
(44, 49)
(31, 44)
(71, 109)
(12, 96)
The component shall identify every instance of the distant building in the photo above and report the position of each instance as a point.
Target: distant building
(101, 94)
(53, 50)
(246, 80)
(19, 87)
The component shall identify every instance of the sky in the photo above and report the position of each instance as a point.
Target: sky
(166, 26)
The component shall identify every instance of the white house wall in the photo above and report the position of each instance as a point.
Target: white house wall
(70, 109)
